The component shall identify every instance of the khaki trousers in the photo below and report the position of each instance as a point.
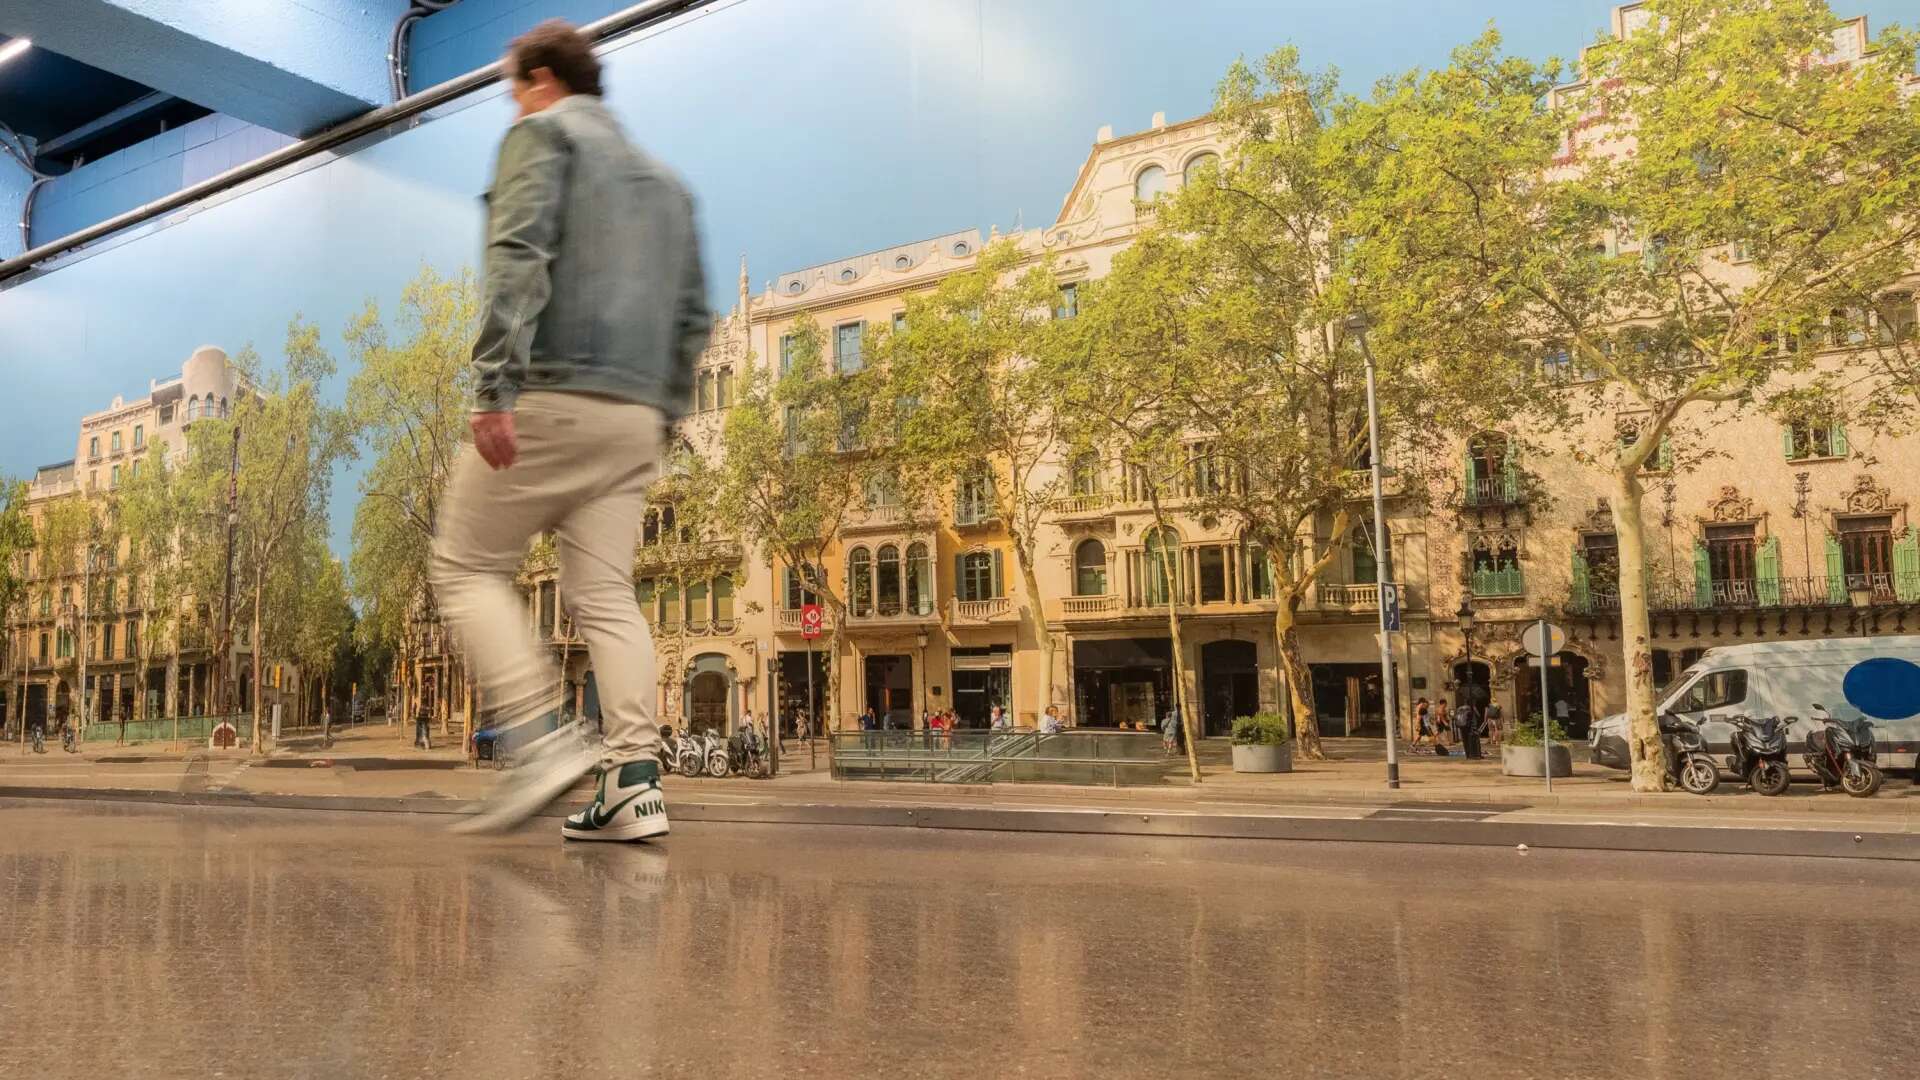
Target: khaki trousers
(582, 470)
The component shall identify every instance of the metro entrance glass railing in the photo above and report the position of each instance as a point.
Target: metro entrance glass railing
(1081, 756)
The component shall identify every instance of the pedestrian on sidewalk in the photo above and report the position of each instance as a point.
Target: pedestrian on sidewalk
(422, 723)
(1438, 715)
(1494, 719)
(1422, 726)
(593, 311)
(326, 725)
(1466, 721)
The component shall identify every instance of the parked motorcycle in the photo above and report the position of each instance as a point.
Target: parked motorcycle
(1687, 762)
(1841, 752)
(746, 753)
(1760, 753)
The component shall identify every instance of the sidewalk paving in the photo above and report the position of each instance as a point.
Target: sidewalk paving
(376, 761)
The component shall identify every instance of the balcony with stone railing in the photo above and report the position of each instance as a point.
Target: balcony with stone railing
(893, 613)
(1080, 607)
(788, 620)
(1095, 504)
(995, 610)
(716, 553)
(1329, 596)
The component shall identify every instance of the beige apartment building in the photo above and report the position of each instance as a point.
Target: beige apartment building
(1773, 531)
(43, 641)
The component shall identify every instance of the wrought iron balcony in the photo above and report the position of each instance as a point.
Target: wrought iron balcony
(1759, 594)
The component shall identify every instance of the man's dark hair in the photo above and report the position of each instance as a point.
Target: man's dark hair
(561, 49)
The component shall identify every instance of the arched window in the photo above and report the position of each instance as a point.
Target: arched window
(223, 406)
(919, 582)
(887, 567)
(1150, 183)
(860, 581)
(1090, 569)
(193, 407)
(979, 575)
(669, 605)
(1366, 562)
(697, 611)
(1259, 573)
(1161, 548)
(1492, 471)
(1199, 165)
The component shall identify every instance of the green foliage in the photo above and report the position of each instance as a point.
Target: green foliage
(16, 539)
(407, 402)
(781, 477)
(1528, 734)
(1261, 729)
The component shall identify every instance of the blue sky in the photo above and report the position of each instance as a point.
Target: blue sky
(809, 130)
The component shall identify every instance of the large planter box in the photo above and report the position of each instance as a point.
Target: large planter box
(1527, 760)
(1275, 757)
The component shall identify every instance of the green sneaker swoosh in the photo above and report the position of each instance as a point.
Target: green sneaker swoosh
(601, 821)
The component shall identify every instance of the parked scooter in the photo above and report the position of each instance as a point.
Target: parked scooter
(669, 749)
(691, 755)
(1760, 753)
(718, 762)
(1687, 762)
(1841, 752)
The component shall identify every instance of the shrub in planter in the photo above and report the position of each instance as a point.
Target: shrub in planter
(1262, 742)
(1528, 734)
(1522, 755)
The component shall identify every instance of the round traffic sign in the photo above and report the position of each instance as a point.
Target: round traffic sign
(1556, 639)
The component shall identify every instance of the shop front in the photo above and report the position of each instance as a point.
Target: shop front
(1122, 682)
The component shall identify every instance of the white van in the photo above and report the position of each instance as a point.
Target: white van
(1873, 677)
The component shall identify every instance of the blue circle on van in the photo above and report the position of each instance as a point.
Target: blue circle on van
(1884, 688)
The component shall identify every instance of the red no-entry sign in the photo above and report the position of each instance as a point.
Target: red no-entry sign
(810, 619)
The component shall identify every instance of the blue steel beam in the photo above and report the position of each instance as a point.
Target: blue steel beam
(293, 66)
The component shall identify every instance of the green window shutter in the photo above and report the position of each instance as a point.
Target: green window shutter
(960, 576)
(1767, 570)
(1702, 576)
(1836, 572)
(1473, 478)
(1510, 473)
(1906, 567)
(1582, 594)
(1838, 440)
(999, 577)
(1786, 441)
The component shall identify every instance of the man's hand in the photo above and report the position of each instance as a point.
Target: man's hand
(493, 437)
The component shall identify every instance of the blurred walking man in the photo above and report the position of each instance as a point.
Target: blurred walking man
(594, 313)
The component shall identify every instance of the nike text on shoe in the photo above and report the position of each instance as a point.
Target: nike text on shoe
(627, 806)
(549, 766)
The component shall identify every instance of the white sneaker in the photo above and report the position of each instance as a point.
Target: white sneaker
(548, 767)
(628, 806)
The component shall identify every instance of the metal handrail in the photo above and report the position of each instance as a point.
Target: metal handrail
(633, 18)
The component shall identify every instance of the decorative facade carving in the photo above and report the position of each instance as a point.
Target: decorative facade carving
(1600, 518)
(1730, 506)
(1868, 497)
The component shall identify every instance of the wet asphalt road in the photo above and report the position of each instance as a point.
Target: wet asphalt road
(146, 941)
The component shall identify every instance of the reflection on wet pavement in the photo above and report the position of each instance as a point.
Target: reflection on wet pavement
(156, 942)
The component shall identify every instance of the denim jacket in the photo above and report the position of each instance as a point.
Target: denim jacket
(593, 278)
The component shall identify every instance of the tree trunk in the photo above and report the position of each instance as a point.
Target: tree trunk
(1180, 696)
(1030, 581)
(1286, 637)
(1643, 727)
(259, 649)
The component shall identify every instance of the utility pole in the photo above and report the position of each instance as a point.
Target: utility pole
(226, 602)
(1384, 563)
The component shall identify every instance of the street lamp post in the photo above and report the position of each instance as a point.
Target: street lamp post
(1357, 323)
(1467, 694)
